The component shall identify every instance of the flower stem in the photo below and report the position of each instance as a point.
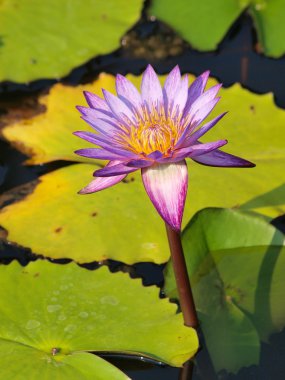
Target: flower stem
(182, 278)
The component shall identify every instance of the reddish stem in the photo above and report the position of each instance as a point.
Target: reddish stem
(182, 279)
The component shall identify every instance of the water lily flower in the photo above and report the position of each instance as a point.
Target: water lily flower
(154, 131)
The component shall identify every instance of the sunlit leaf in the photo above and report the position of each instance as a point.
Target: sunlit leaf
(236, 263)
(21, 362)
(48, 136)
(51, 315)
(42, 39)
(57, 222)
(204, 23)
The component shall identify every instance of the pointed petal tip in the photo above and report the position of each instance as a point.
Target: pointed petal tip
(205, 75)
(120, 77)
(176, 69)
(149, 67)
(81, 109)
(249, 164)
(87, 93)
(88, 97)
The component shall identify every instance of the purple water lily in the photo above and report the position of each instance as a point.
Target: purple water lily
(154, 131)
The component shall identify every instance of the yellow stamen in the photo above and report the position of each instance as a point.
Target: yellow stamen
(154, 130)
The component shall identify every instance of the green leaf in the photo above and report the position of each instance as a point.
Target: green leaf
(48, 136)
(119, 223)
(205, 23)
(236, 264)
(21, 362)
(52, 315)
(49, 39)
(269, 21)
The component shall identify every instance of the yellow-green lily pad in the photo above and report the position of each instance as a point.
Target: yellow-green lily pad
(48, 136)
(112, 224)
(236, 264)
(52, 315)
(42, 39)
(21, 362)
(204, 23)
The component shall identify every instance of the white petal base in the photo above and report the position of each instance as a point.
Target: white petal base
(166, 186)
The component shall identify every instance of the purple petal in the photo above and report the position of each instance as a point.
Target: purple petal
(205, 128)
(196, 89)
(196, 150)
(196, 120)
(97, 113)
(204, 99)
(118, 107)
(166, 186)
(143, 163)
(103, 154)
(104, 143)
(155, 155)
(114, 170)
(94, 101)
(101, 183)
(101, 126)
(128, 92)
(203, 112)
(222, 159)
(91, 137)
(171, 86)
(139, 163)
(180, 97)
(151, 88)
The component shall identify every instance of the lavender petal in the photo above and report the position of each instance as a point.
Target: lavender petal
(171, 86)
(150, 88)
(94, 101)
(180, 97)
(204, 129)
(118, 107)
(128, 93)
(102, 154)
(114, 170)
(101, 183)
(204, 99)
(196, 89)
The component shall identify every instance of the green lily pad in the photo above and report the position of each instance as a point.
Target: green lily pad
(236, 264)
(49, 39)
(21, 362)
(48, 136)
(110, 224)
(52, 315)
(204, 23)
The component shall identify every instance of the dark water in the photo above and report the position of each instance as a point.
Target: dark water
(234, 61)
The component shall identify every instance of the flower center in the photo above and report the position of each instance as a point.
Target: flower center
(153, 130)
